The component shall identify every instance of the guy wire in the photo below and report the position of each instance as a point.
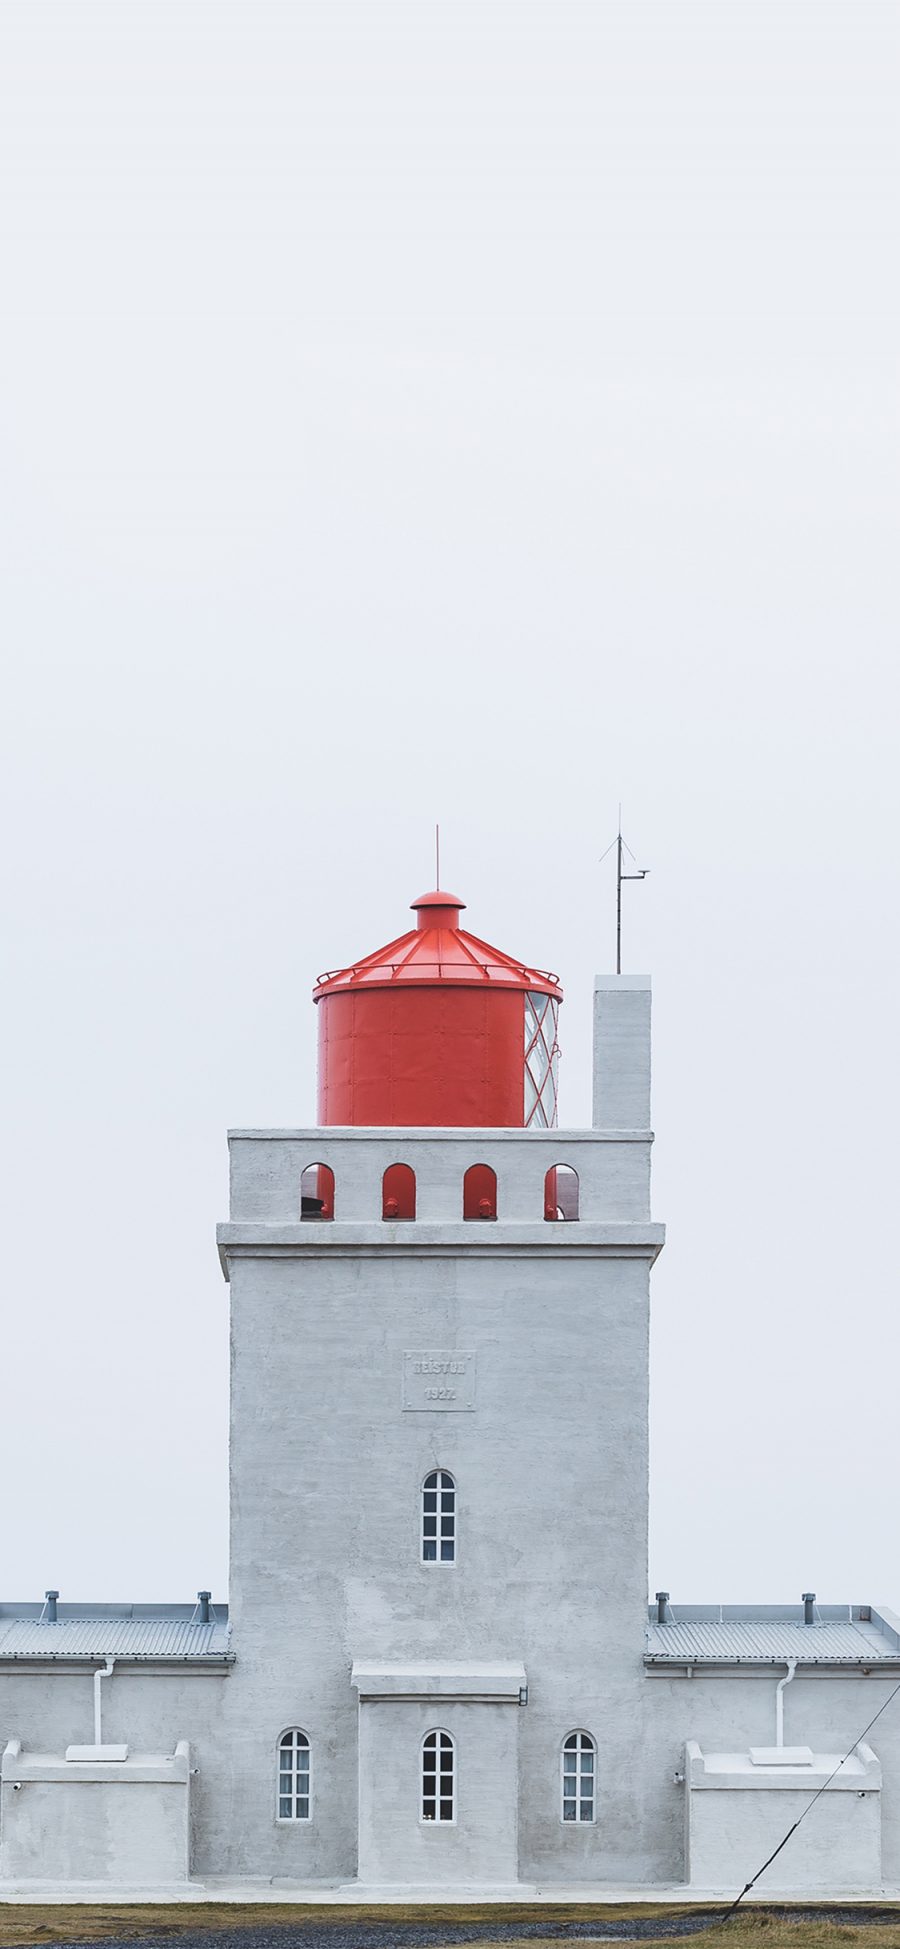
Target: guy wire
(808, 1810)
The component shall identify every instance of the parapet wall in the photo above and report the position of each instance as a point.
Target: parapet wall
(613, 1172)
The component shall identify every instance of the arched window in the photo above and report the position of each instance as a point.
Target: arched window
(561, 1193)
(317, 1192)
(438, 1777)
(293, 1775)
(480, 1192)
(398, 1192)
(439, 1517)
(578, 1758)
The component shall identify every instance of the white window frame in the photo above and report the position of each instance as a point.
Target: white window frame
(541, 1034)
(586, 1743)
(438, 1733)
(445, 1484)
(296, 1735)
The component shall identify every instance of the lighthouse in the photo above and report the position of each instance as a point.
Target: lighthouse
(439, 1301)
(437, 1673)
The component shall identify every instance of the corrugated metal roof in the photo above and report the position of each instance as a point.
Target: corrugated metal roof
(768, 1641)
(112, 1637)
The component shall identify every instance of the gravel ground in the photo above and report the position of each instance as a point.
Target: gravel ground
(422, 1935)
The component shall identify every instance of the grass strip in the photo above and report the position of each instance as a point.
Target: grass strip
(22, 1924)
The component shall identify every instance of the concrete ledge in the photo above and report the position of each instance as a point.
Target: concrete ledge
(496, 1684)
(353, 1894)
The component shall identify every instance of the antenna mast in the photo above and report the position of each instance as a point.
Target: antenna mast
(622, 847)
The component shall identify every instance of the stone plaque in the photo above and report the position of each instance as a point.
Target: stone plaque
(441, 1379)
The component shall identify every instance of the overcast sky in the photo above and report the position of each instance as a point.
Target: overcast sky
(481, 411)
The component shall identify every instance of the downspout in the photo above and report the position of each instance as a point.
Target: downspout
(779, 1700)
(105, 1671)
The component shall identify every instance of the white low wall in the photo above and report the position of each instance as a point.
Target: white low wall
(739, 1810)
(95, 1820)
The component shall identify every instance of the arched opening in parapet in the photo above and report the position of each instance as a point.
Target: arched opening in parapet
(317, 1192)
(398, 1192)
(561, 1194)
(480, 1192)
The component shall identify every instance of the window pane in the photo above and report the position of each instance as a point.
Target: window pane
(431, 1499)
(447, 1523)
(587, 1762)
(571, 1742)
(284, 1807)
(587, 1810)
(429, 1552)
(448, 1498)
(568, 1810)
(446, 1810)
(429, 1762)
(446, 1552)
(429, 1525)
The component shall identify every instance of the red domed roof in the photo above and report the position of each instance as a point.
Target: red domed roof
(437, 950)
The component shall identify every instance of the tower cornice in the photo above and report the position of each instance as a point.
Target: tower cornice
(428, 1241)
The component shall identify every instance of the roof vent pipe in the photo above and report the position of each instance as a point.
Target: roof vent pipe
(662, 1607)
(203, 1597)
(50, 1605)
(809, 1599)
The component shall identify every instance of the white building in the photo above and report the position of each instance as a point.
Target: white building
(438, 1667)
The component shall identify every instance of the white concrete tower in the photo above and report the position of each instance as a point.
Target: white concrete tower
(439, 1437)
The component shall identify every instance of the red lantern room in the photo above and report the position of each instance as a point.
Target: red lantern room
(438, 1029)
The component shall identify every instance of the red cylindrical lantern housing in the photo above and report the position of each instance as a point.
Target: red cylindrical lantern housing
(438, 1029)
